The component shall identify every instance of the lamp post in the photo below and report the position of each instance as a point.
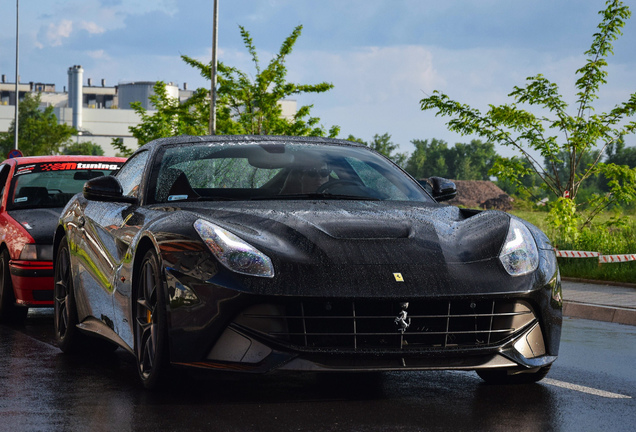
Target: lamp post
(17, 71)
(215, 32)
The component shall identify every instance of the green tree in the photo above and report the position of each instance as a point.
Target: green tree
(428, 159)
(83, 148)
(170, 118)
(618, 154)
(253, 104)
(472, 161)
(462, 162)
(582, 133)
(244, 105)
(383, 145)
(526, 185)
(38, 132)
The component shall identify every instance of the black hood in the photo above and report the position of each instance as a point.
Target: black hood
(369, 232)
(40, 223)
(353, 243)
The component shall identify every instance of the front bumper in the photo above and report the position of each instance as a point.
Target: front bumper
(32, 282)
(220, 328)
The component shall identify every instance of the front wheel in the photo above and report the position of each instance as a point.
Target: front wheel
(65, 320)
(501, 376)
(10, 313)
(151, 327)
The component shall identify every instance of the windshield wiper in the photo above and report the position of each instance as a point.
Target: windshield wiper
(203, 198)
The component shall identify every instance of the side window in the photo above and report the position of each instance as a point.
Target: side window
(130, 174)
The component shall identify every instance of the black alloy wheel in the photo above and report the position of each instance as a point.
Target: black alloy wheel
(65, 320)
(10, 313)
(151, 332)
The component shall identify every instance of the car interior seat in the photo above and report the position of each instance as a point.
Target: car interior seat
(181, 188)
(36, 195)
(293, 182)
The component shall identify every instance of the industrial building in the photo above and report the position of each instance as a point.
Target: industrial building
(99, 113)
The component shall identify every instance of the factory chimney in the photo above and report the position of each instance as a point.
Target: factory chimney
(75, 94)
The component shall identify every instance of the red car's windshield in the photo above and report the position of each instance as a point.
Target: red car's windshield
(53, 184)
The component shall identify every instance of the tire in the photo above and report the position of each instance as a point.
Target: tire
(65, 320)
(10, 313)
(501, 376)
(151, 325)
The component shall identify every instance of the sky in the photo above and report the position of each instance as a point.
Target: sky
(382, 56)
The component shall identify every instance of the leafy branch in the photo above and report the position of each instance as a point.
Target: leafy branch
(571, 146)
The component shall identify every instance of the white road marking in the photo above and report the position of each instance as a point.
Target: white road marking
(565, 385)
(583, 389)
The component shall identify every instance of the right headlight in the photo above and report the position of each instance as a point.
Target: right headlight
(233, 252)
(519, 254)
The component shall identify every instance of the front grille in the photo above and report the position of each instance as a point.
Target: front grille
(372, 325)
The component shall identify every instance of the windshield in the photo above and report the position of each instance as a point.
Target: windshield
(53, 184)
(276, 171)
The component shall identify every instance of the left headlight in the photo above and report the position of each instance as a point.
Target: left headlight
(233, 252)
(519, 254)
(33, 252)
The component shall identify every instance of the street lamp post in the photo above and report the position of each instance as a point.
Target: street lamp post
(215, 32)
(17, 71)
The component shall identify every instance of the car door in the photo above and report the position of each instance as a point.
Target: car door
(105, 240)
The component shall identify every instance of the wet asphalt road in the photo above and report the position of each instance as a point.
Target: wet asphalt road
(592, 387)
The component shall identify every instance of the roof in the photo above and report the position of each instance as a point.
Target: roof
(262, 139)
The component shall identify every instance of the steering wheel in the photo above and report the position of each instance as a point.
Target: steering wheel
(331, 184)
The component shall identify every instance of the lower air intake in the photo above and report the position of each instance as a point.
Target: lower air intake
(386, 325)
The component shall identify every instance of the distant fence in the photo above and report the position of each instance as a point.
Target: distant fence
(601, 258)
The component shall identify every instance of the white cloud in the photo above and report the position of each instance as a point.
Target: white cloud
(91, 27)
(368, 75)
(378, 90)
(98, 55)
(56, 33)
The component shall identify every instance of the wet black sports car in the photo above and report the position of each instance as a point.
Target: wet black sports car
(261, 253)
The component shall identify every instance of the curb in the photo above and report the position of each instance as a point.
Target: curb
(599, 313)
(599, 282)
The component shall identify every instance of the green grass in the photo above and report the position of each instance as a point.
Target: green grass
(598, 238)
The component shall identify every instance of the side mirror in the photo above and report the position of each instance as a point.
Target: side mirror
(443, 189)
(106, 188)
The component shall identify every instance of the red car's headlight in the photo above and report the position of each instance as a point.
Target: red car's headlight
(33, 252)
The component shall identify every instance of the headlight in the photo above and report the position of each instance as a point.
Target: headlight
(519, 254)
(33, 252)
(234, 253)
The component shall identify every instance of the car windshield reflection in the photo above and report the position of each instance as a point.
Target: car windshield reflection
(278, 172)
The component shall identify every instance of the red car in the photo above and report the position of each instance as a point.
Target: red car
(33, 192)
